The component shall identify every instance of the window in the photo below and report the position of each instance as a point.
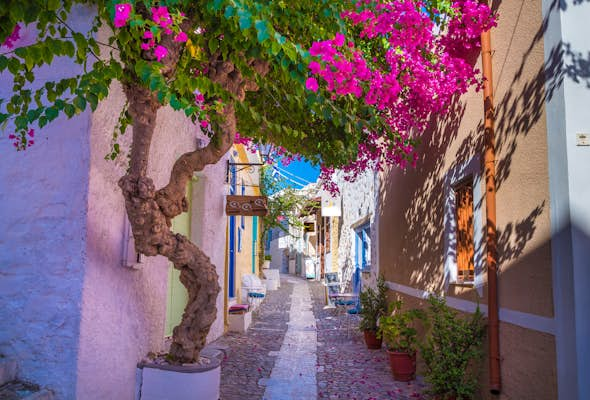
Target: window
(464, 230)
(464, 225)
(363, 247)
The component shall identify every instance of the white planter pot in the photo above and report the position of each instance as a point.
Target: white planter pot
(266, 264)
(180, 382)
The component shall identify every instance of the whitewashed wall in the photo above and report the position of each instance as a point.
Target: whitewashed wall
(43, 208)
(74, 318)
(358, 206)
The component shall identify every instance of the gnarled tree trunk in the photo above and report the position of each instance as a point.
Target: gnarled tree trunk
(150, 211)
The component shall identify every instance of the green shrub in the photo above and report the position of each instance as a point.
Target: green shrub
(398, 328)
(373, 306)
(267, 257)
(452, 351)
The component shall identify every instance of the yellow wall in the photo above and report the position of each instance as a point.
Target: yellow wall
(244, 256)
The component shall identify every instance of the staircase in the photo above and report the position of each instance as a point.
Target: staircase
(13, 389)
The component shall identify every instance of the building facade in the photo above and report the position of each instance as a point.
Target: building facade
(243, 232)
(76, 311)
(432, 219)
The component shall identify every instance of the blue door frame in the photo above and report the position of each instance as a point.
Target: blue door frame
(231, 292)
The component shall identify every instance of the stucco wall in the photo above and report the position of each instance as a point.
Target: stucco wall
(413, 202)
(43, 204)
(566, 56)
(208, 216)
(124, 310)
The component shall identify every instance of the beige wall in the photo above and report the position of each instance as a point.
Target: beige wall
(411, 217)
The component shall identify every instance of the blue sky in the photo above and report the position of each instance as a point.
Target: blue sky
(299, 169)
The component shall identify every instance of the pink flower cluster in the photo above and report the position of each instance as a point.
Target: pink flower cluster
(414, 72)
(161, 18)
(20, 141)
(13, 37)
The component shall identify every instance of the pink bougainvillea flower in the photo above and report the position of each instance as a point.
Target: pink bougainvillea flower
(311, 84)
(31, 133)
(148, 45)
(181, 37)
(339, 40)
(148, 35)
(13, 37)
(280, 218)
(199, 98)
(160, 52)
(204, 123)
(122, 14)
(11, 136)
(315, 67)
(161, 16)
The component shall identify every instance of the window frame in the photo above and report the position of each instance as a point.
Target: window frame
(362, 247)
(455, 176)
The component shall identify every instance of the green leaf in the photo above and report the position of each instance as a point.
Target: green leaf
(174, 103)
(53, 5)
(217, 5)
(80, 103)
(245, 19)
(213, 44)
(3, 62)
(262, 29)
(70, 110)
(93, 100)
(229, 12)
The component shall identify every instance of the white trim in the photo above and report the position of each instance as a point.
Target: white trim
(454, 175)
(522, 319)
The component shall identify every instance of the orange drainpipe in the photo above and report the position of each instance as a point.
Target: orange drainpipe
(491, 240)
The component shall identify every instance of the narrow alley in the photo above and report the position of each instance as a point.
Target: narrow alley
(298, 349)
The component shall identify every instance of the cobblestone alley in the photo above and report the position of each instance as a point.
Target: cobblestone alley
(296, 349)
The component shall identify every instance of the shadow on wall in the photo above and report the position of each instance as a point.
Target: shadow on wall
(415, 215)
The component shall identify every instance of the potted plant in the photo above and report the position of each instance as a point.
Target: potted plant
(373, 306)
(451, 351)
(267, 260)
(399, 333)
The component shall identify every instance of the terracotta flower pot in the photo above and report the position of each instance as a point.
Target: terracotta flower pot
(403, 365)
(372, 341)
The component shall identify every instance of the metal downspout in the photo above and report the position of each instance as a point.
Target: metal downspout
(491, 239)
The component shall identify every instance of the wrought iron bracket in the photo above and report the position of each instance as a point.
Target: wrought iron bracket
(240, 167)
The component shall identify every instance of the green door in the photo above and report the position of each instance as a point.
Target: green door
(177, 294)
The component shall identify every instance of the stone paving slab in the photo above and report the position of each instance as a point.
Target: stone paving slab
(251, 355)
(344, 368)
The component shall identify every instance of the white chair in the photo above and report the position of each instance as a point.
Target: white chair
(253, 290)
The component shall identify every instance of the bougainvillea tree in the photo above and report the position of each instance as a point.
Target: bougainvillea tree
(341, 83)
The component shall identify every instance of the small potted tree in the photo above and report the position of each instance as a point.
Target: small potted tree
(373, 306)
(267, 260)
(451, 351)
(400, 335)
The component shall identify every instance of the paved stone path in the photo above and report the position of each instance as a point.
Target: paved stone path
(291, 353)
(294, 373)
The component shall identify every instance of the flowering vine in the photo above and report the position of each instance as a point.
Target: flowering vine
(414, 68)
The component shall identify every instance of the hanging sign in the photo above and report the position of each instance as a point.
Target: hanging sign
(246, 205)
(330, 206)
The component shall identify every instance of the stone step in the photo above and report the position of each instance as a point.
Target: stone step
(8, 370)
